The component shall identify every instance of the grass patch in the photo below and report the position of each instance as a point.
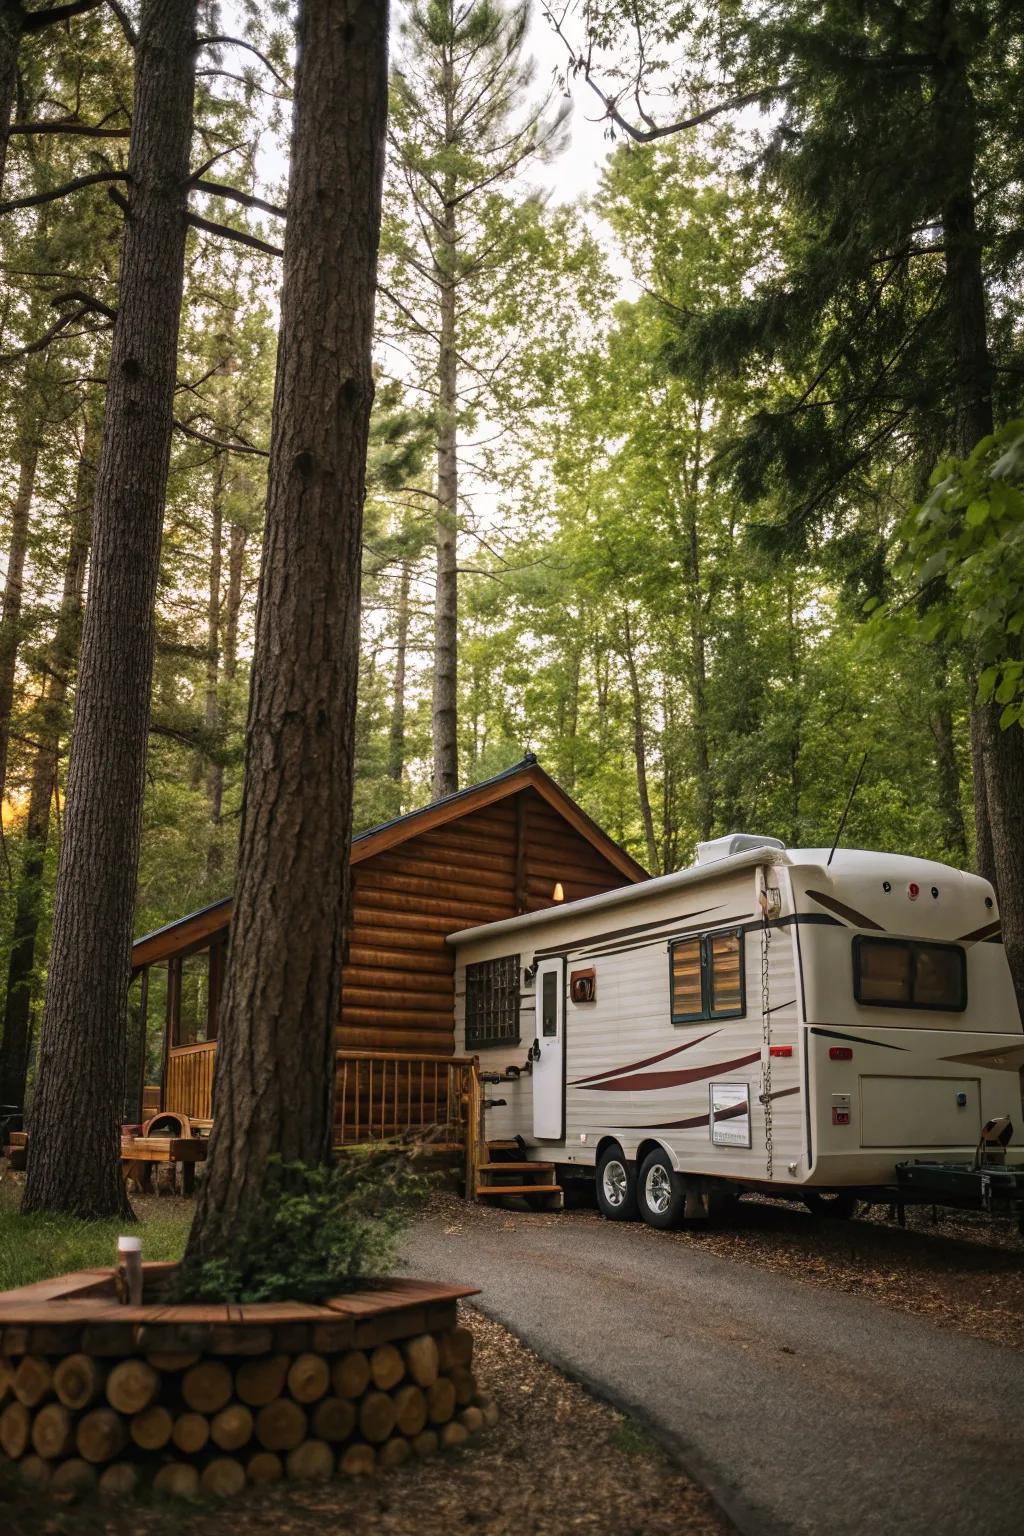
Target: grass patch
(631, 1440)
(38, 1246)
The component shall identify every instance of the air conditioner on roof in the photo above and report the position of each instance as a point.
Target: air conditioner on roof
(733, 842)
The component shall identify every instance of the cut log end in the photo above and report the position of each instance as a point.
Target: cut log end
(78, 1381)
(387, 1367)
(73, 1476)
(190, 1433)
(100, 1435)
(259, 1382)
(264, 1467)
(350, 1374)
(377, 1415)
(281, 1425)
(308, 1378)
(310, 1462)
(177, 1479)
(206, 1387)
(120, 1480)
(358, 1461)
(232, 1427)
(222, 1478)
(131, 1386)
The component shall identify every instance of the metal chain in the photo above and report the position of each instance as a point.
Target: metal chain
(766, 1038)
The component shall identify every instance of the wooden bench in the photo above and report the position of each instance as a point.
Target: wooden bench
(139, 1154)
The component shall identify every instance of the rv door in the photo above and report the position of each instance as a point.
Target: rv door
(549, 1052)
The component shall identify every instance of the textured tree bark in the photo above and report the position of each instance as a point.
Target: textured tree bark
(396, 735)
(73, 1159)
(48, 728)
(640, 748)
(446, 601)
(236, 561)
(12, 19)
(947, 768)
(275, 1071)
(211, 707)
(10, 616)
(998, 754)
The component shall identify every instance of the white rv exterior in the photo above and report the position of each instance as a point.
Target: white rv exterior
(867, 1000)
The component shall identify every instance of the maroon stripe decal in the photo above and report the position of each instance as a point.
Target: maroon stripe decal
(648, 1061)
(649, 1081)
(693, 1121)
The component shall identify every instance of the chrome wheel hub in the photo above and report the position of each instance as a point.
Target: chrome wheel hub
(614, 1183)
(658, 1190)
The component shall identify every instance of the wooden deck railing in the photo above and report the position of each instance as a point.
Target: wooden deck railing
(377, 1094)
(189, 1084)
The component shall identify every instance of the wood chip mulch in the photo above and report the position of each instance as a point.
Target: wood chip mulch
(558, 1461)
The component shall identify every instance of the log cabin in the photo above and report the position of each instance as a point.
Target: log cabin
(513, 844)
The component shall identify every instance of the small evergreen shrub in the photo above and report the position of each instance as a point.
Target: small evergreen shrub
(314, 1231)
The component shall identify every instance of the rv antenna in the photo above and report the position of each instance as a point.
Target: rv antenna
(846, 810)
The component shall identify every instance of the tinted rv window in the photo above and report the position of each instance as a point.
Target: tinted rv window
(906, 973)
(492, 1002)
(706, 975)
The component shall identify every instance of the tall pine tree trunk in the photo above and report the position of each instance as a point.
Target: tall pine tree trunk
(999, 753)
(211, 710)
(236, 564)
(275, 1070)
(73, 1161)
(10, 616)
(446, 601)
(640, 747)
(396, 734)
(49, 727)
(11, 25)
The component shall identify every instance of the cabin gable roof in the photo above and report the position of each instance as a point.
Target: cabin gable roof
(197, 928)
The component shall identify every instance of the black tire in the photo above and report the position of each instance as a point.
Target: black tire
(838, 1204)
(616, 1186)
(660, 1191)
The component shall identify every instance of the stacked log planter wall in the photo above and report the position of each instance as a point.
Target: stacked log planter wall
(205, 1399)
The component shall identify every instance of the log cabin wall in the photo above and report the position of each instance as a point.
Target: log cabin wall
(398, 984)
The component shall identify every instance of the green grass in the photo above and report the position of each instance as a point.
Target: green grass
(632, 1440)
(36, 1247)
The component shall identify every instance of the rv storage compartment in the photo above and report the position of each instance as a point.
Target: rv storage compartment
(920, 1111)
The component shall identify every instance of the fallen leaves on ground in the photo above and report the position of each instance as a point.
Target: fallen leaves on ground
(557, 1461)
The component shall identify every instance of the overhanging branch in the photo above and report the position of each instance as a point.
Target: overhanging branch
(94, 179)
(239, 235)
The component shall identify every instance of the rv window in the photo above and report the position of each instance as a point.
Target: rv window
(492, 1003)
(707, 977)
(905, 973)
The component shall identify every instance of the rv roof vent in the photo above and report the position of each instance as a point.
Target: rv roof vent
(733, 842)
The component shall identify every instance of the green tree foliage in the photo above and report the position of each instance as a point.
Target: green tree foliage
(965, 549)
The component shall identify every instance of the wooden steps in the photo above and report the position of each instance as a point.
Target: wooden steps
(503, 1178)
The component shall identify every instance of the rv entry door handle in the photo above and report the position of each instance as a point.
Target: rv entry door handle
(535, 1050)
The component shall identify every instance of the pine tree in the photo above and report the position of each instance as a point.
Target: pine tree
(459, 134)
(283, 989)
(74, 1153)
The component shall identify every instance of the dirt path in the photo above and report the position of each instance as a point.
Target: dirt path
(815, 1409)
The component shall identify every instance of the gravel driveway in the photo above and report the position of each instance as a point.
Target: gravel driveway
(805, 1410)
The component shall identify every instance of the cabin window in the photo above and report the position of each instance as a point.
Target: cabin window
(906, 973)
(194, 998)
(492, 1003)
(707, 977)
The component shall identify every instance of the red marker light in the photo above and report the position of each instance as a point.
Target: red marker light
(840, 1053)
(913, 890)
(781, 1050)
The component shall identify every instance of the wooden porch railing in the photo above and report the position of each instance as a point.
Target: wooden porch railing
(189, 1083)
(377, 1094)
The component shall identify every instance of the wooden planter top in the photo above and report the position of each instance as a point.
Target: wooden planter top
(81, 1310)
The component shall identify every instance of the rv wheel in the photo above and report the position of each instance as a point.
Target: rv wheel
(616, 1186)
(839, 1204)
(661, 1193)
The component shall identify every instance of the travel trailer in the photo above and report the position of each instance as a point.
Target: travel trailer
(789, 1021)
